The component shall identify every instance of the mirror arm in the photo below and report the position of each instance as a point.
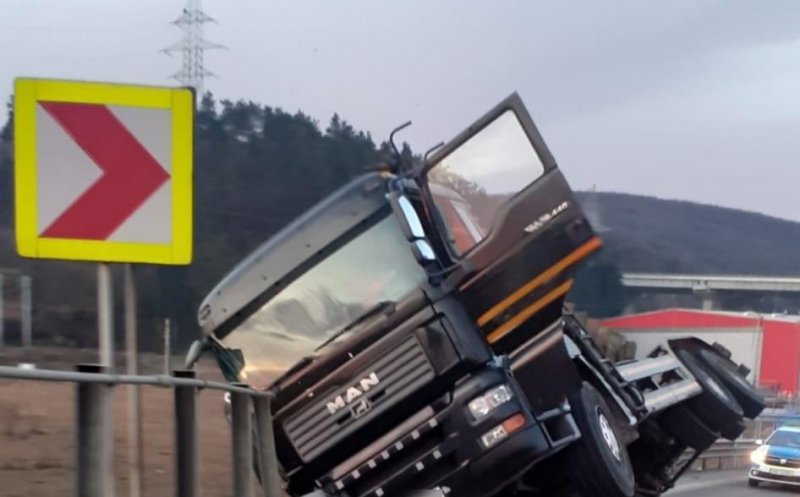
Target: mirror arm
(195, 352)
(431, 150)
(397, 154)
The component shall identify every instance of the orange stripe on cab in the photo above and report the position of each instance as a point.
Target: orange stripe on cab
(578, 254)
(529, 311)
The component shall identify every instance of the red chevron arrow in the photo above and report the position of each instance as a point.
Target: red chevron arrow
(130, 173)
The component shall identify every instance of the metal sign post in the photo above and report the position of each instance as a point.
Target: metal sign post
(167, 346)
(26, 310)
(135, 458)
(105, 315)
(105, 325)
(103, 173)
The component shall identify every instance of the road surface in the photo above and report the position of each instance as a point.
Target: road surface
(724, 484)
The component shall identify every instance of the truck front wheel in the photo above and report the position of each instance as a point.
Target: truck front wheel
(744, 392)
(599, 463)
(715, 405)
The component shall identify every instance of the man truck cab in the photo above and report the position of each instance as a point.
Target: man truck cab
(411, 328)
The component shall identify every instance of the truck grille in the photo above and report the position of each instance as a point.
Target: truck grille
(400, 372)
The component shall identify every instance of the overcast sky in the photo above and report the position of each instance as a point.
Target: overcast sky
(687, 99)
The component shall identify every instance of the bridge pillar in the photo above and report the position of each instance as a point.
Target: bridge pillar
(708, 298)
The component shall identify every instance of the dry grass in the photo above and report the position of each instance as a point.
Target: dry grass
(37, 445)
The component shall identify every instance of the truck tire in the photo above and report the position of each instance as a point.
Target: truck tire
(684, 425)
(744, 392)
(599, 464)
(715, 405)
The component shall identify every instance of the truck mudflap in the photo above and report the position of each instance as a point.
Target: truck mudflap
(445, 447)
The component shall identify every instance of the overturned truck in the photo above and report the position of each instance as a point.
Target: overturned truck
(413, 330)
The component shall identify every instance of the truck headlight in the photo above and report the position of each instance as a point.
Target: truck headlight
(481, 406)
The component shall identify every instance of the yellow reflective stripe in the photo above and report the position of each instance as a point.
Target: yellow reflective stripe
(529, 311)
(578, 254)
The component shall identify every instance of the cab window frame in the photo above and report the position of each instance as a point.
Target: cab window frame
(514, 104)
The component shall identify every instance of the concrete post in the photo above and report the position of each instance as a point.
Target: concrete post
(707, 299)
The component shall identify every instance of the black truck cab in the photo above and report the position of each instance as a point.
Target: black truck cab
(384, 318)
(410, 325)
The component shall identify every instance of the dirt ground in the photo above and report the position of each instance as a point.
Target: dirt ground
(37, 432)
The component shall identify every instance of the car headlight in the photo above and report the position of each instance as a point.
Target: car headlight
(759, 455)
(483, 405)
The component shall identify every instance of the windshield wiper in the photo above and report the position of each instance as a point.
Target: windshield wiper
(385, 306)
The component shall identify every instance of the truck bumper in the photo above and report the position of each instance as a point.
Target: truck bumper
(444, 448)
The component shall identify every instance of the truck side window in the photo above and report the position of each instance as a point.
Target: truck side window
(473, 181)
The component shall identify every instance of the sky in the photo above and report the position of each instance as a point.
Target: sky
(681, 99)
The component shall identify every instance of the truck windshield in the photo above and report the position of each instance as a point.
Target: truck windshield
(375, 266)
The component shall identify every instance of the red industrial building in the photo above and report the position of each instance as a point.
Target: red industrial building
(769, 344)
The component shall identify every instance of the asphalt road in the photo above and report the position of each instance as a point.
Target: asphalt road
(725, 484)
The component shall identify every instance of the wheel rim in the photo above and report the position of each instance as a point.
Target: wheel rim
(712, 386)
(719, 391)
(609, 437)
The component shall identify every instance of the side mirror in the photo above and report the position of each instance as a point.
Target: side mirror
(408, 218)
(423, 251)
(195, 352)
(759, 442)
(411, 226)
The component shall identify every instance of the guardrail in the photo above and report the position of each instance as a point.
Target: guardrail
(725, 454)
(93, 430)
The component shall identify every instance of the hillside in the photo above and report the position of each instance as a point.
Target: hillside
(258, 167)
(655, 235)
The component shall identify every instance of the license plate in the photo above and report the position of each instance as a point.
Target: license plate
(781, 472)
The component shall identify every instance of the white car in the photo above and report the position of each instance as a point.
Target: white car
(778, 459)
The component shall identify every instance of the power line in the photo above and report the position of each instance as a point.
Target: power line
(193, 46)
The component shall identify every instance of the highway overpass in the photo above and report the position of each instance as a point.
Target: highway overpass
(706, 285)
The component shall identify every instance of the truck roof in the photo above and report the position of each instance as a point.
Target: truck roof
(300, 242)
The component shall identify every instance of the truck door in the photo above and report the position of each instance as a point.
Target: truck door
(509, 222)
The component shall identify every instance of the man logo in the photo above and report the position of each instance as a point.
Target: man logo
(353, 393)
(360, 408)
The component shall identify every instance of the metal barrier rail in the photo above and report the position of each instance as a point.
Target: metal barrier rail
(725, 450)
(94, 475)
